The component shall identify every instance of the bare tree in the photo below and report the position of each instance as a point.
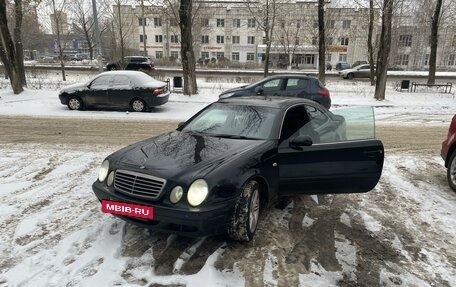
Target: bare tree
(434, 42)
(289, 31)
(8, 52)
(384, 50)
(265, 17)
(370, 46)
(321, 41)
(58, 20)
(187, 54)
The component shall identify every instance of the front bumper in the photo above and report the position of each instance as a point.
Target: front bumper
(193, 222)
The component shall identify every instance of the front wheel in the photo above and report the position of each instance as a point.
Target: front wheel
(138, 105)
(350, 76)
(451, 171)
(244, 220)
(74, 103)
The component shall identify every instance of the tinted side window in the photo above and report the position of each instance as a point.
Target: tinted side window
(272, 86)
(293, 122)
(328, 130)
(297, 84)
(100, 82)
(121, 80)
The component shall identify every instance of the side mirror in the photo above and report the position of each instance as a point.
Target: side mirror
(300, 141)
(180, 124)
(259, 90)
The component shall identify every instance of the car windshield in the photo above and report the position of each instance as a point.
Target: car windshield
(234, 121)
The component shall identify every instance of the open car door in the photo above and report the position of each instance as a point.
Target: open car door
(329, 152)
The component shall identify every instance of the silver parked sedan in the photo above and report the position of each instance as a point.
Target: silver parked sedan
(118, 89)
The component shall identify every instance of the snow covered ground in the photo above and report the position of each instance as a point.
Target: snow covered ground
(54, 234)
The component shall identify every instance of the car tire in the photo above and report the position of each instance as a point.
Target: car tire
(74, 103)
(350, 76)
(244, 220)
(138, 105)
(451, 171)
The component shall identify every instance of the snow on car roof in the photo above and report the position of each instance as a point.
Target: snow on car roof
(137, 76)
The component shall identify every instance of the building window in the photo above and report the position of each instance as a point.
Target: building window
(141, 40)
(314, 41)
(250, 57)
(205, 55)
(452, 60)
(401, 60)
(205, 22)
(329, 41)
(220, 39)
(173, 22)
(174, 39)
(315, 25)
(235, 39)
(235, 56)
(282, 24)
(405, 40)
(205, 39)
(454, 41)
(175, 54)
(250, 39)
(298, 24)
(330, 24)
(141, 20)
(158, 38)
(264, 41)
(158, 54)
(346, 24)
(157, 22)
(251, 23)
(236, 23)
(220, 55)
(220, 22)
(344, 41)
(426, 60)
(328, 57)
(296, 41)
(342, 57)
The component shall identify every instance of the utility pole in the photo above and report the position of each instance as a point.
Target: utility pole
(97, 36)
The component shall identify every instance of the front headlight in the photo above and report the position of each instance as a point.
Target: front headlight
(226, 95)
(197, 192)
(103, 173)
(176, 194)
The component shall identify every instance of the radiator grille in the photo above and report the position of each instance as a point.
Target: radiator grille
(138, 184)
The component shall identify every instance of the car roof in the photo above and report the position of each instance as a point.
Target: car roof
(271, 102)
(122, 72)
(281, 76)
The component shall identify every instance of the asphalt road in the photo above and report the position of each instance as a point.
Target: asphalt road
(116, 133)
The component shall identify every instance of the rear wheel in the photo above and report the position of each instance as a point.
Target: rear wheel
(138, 105)
(74, 103)
(451, 171)
(244, 220)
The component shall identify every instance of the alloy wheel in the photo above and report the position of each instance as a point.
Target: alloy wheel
(254, 209)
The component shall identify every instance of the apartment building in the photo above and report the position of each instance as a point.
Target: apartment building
(232, 30)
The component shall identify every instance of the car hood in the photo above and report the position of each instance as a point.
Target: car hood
(233, 90)
(74, 87)
(174, 154)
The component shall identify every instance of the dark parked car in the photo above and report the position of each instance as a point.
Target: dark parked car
(342, 66)
(235, 157)
(357, 63)
(362, 71)
(118, 89)
(287, 86)
(448, 153)
(135, 63)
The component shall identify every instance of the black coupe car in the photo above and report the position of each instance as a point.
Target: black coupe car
(233, 158)
(118, 89)
(287, 85)
(135, 63)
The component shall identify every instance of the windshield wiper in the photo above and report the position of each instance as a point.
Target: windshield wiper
(233, 136)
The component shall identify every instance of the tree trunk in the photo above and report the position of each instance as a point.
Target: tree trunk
(321, 41)
(18, 41)
(434, 42)
(384, 50)
(121, 38)
(59, 44)
(187, 54)
(370, 48)
(8, 52)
